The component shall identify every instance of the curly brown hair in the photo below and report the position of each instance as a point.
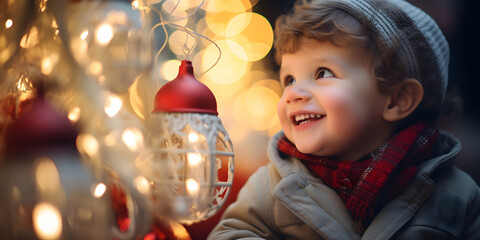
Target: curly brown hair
(325, 21)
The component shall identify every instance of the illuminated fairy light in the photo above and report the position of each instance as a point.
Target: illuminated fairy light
(104, 34)
(113, 105)
(74, 114)
(142, 184)
(192, 186)
(88, 143)
(47, 221)
(193, 137)
(84, 35)
(8, 23)
(194, 159)
(100, 189)
(133, 138)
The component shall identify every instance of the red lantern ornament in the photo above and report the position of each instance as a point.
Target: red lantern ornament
(185, 94)
(189, 138)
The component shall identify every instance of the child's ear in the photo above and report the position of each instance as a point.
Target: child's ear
(403, 99)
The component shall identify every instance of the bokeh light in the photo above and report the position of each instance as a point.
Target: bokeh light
(47, 221)
(236, 6)
(8, 23)
(230, 67)
(169, 69)
(253, 32)
(175, 13)
(256, 106)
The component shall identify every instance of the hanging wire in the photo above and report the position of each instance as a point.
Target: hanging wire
(187, 51)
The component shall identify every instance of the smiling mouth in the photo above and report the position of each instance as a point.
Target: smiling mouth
(306, 118)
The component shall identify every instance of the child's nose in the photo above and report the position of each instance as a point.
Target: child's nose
(296, 93)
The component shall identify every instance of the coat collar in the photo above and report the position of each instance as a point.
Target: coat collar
(322, 209)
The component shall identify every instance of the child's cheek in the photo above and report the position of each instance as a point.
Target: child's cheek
(346, 113)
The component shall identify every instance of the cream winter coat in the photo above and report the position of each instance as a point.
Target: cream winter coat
(284, 201)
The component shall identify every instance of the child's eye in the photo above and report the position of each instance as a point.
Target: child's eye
(288, 80)
(323, 73)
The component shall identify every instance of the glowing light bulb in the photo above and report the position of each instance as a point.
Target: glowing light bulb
(9, 23)
(194, 159)
(47, 221)
(113, 105)
(193, 137)
(100, 189)
(88, 144)
(142, 184)
(192, 186)
(74, 114)
(104, 34)
(133, 138)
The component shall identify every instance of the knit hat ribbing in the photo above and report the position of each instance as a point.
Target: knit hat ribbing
(419, 39)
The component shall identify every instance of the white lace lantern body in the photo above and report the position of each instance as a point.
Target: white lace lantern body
(190, 137)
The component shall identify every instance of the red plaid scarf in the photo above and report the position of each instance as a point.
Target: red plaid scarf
(367, 184)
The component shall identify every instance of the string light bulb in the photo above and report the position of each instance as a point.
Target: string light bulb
(191, 138)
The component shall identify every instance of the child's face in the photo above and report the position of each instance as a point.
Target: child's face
(331, 105)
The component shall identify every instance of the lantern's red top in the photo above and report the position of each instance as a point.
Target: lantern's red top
(185, 94)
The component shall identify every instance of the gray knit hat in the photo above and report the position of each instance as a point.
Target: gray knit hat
(420, 41)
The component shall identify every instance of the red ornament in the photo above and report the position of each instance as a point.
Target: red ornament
(185, 94)
(40, 128)
(119, 204)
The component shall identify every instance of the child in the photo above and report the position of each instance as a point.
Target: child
(358, 157)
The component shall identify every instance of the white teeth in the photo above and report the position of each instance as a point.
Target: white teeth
(302, 117)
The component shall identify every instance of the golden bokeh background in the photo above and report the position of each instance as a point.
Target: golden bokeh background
(229, 58)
